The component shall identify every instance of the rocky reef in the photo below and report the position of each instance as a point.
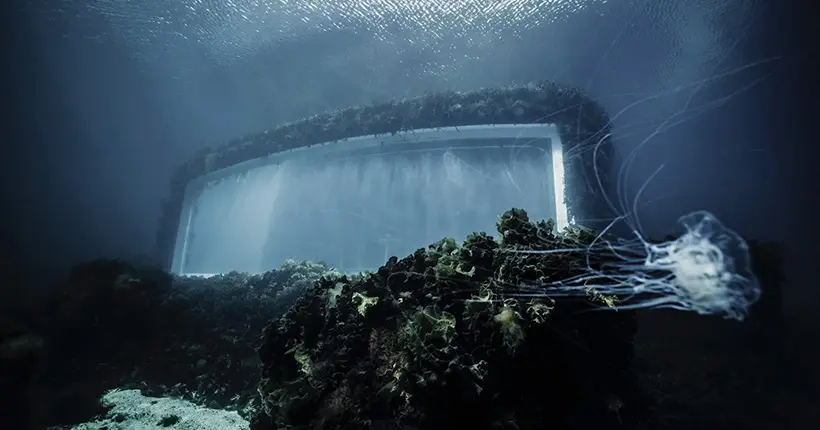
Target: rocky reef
(440, 339)
(114, 325)
(437, 340)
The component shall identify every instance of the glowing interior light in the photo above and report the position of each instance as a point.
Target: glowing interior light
(349, 202)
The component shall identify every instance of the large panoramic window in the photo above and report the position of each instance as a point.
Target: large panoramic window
(355, 202)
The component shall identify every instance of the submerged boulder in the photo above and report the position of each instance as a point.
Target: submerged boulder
(116, 325)
(455, 335)
(442, 340)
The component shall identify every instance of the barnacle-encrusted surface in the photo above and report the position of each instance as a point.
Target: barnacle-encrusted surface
(430, 341)
(442, 345)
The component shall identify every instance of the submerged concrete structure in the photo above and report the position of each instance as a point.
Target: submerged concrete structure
(353, 187)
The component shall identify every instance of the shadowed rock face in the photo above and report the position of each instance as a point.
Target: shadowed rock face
(20, 346)
(426, 342)
(20, 360)
(430, 341)
(114, 325)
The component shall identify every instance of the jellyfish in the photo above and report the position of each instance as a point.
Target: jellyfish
(706, 270)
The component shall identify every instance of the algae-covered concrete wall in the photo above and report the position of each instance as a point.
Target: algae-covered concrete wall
(582, 124)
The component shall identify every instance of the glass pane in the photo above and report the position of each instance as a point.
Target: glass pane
(360, 203)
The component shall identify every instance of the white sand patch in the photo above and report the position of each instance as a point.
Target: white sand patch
(130, 410)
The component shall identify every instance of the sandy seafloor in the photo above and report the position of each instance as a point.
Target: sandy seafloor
(133, 411)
